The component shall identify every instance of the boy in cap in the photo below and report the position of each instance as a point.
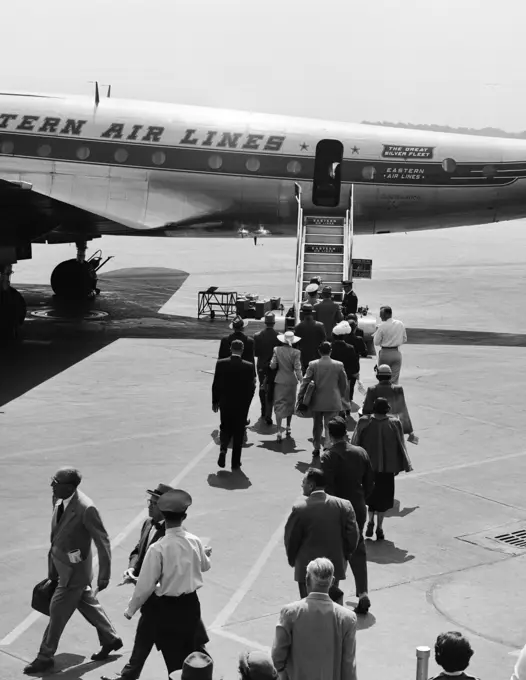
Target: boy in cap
(168, 582)
(152, 530)
(264, 343)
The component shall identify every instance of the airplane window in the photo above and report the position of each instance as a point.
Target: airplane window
(215, 162)
(489, 171)
(253, 164)
(159, 158)
(294, 167)
(369, 172)
(82, 153)
(121, 155)
(449, 165)
(44, 150)
(7, 147)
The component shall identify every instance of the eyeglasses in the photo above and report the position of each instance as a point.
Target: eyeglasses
(151, 500)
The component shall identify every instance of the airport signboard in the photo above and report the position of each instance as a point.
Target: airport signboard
(323, 249)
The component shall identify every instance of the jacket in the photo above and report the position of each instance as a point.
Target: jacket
(320, 525)
(234, 384)
(316, 639)
(350, 303)
(345, 353)
(383, 439)
(264, 343)
(349, 474)
(396, 398)
(312, 334)
(331, 383)
(248, 346)
(288, 362)
(80, 525)
(138, 554)
(357, 342)
(329, 313)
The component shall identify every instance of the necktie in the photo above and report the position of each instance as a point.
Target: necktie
(60, 511)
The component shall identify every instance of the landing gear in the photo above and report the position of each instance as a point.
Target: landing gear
(12, 308)
(76, 279)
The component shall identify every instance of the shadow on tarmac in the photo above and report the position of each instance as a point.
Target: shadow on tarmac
(396, 511)
(70, 667)
(229, 481)
(386, 552)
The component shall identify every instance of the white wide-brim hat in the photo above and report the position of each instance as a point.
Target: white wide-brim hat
(289, 338)
(342, 328)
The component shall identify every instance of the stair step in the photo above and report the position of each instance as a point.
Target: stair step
(337, 231)
(331, 239)
(323, 221)
(323, 269)
(322, 258)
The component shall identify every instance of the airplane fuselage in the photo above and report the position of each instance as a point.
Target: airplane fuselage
(187, 171)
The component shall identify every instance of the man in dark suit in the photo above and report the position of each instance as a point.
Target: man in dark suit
(356, 337)
(312, 334)
(350, 299)
(327, 311)
(237, 326)
(232, 392)
(349, 474)
(75, 524)
(319, 526)
(264, 343)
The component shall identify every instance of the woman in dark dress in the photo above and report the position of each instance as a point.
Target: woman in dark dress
(382, 437)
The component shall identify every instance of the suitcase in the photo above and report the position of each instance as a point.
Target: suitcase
(262, 307)
(275, 303)
(246, 309)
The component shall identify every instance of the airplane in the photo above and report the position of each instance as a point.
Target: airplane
(73, 169)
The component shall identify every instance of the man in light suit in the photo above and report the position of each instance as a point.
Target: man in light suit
(331, 384)
(75, 524)
(315, 637)
(319, 526)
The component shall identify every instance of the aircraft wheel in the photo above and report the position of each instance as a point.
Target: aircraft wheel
(74, 280)
(12, 315)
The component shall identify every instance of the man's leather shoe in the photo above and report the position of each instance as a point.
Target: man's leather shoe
(221, 461)
(117, 676)
(363, 606)
(38, 666)
(106, 650)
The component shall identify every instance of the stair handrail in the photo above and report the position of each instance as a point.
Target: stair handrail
(300, 250)
(348, 262)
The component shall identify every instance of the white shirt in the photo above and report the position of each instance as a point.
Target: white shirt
(65, 501)
(173, 566)
(390, 333)
(519, 672)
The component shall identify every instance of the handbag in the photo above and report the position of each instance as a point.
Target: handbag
(309, 393)
(42, 595)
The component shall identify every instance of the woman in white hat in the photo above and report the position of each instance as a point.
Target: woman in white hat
(287, 360)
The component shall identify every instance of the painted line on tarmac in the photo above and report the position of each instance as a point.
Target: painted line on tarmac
(461, 466)
(250, 578)
(122, 536)
(238, 638)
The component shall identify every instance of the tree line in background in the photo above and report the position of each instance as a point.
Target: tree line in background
(483, 132)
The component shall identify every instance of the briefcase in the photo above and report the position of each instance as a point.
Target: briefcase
(42, 594)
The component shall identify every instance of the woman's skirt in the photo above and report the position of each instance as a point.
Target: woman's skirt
(284, 400)
(382, 497)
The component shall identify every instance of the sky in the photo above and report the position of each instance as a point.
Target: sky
(449, 62)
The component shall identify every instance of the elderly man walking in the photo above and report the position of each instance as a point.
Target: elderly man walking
(315, 637)
(389, 337)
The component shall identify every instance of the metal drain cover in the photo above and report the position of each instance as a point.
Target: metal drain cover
(509, 538)
(55, 315)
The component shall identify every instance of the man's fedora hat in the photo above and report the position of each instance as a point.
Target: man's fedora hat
(238, 323)
(196, 666)
(159, 490)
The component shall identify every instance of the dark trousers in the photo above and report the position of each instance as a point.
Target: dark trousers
(232, 426)
(266, 406)
(358, 561)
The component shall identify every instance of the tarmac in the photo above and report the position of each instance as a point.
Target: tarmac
(126, 398)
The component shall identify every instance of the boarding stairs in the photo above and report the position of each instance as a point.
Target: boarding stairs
(324, 249)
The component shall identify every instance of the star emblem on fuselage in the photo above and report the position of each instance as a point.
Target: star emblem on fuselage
(355, 149)
(304, 147)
